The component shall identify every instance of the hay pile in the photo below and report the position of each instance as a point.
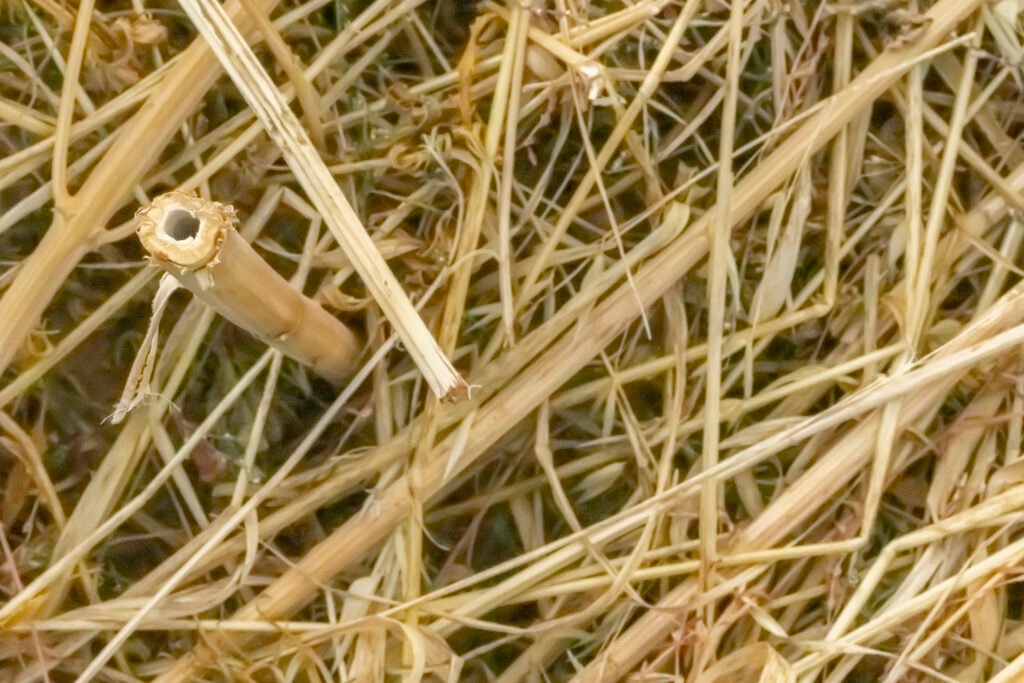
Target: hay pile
(733, 285)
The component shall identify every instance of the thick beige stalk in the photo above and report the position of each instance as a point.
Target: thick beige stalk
(196, 241)
(284, 129)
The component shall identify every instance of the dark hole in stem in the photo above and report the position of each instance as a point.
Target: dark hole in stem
(181, 225)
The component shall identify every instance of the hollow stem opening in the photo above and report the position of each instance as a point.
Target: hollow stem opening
(181, 225)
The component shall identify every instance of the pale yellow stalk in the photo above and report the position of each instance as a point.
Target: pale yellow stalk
(283, 126)
(196, 241)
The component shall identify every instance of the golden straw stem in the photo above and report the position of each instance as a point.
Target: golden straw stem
(195, 240)
(312, 174)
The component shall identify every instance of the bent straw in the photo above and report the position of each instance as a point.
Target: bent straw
(195, 240)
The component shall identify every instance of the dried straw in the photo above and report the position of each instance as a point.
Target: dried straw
(196, 241)
(736, 283)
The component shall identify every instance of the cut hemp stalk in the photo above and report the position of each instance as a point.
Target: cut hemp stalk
(284, 129)
(195, 240)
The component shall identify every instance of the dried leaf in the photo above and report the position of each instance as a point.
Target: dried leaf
(600, 480)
